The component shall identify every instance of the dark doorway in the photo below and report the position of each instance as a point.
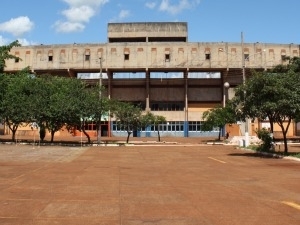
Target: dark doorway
(104, 130)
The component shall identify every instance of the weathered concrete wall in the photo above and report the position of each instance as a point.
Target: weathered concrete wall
(154, 55)
(154, 29)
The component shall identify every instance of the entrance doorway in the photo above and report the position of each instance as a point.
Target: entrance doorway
(104, 130)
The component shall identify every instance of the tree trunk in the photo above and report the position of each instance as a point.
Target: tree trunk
(220, 128)
(285, 143)
(42, 132)
(128, 134)
(284, 132)
(13, 138)
(272, 127)
(13, 128)
(158, 135)
(52, 135)
(87, 135)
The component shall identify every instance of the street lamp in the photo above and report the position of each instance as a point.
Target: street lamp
(225, 88)
(226, 85)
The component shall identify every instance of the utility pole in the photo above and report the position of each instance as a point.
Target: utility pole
(100, 100)
(244, 82)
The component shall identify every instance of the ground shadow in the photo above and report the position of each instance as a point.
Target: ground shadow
(256, 154)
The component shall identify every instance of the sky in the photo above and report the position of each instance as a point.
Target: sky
(35, 22)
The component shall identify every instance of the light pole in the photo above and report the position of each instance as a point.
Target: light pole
(225, 88)
(246, 120)
(244, 81)
(100, 99)
(226, 85)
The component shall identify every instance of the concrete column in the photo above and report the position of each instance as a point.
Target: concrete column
(186, 116)
(109, 92)
(109, 81)
(147, 90)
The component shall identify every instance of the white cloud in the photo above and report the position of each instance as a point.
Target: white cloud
(166, 6)
(124, 14)
(150, 5)
(22, 41)
(78, 15)
(25, 42)
(68, 27)
(3, 41)
(17, 26)
(78, 3)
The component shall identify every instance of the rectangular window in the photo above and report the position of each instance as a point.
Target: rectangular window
(207, 56)
(126, 56)
(167, 57)
(195, 126)
(50, 58)
(167, 106)
(87, 57)
(246, 57)
(17, 60)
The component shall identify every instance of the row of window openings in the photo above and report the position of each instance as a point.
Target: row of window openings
(161, 106)
(167, 57)
(169, 126)
(193, 126)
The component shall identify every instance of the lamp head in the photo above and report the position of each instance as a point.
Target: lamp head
(226, 85)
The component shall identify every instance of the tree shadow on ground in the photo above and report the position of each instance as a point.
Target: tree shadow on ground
(255, 154)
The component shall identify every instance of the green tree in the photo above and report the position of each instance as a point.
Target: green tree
(16, 100)
(55, 102)
(257, 98)
(149, 119)
(88, 107)
(128, 117)
(218, 117)
(271, 95)
(5, 54)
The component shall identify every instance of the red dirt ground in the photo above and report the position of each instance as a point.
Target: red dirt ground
(170, 184)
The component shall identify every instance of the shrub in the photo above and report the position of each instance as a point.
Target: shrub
(267, 139)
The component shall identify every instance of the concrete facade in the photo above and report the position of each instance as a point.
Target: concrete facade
(154, 64)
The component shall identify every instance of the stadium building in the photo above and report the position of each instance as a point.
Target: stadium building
(154, 65)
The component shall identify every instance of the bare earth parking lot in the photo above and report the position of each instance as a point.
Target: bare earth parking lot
(146, 185)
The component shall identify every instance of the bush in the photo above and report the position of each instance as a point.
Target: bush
(267, 139)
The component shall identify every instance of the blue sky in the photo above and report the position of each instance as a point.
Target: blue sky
(85, 21)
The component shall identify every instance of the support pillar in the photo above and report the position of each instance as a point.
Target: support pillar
(186, 117)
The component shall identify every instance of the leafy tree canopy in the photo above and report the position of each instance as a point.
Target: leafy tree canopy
(5, 54)
(272, 95)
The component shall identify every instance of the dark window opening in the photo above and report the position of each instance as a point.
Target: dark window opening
(246, 57)
(167, 57)
(207, 56)
(87, 57)
(126, 56)
(167, 106)
(50, 58)
(17, 60)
